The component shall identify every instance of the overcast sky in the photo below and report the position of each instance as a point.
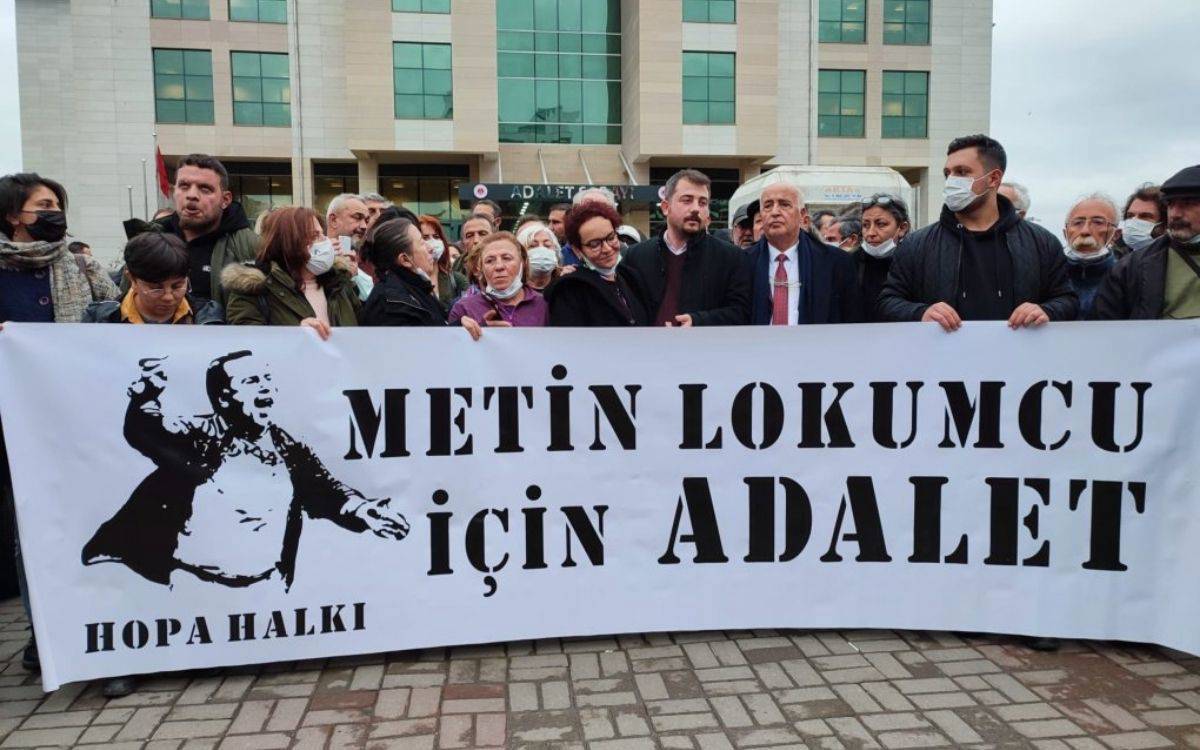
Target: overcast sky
(1086, 95)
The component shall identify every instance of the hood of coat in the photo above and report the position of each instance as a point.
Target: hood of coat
(252, 280)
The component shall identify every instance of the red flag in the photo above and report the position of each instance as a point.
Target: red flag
(164, 185)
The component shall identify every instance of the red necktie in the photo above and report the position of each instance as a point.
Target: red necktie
(779, 313)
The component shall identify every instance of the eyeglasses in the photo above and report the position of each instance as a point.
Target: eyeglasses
(596, 244)
(158, 292)
(1095, 222)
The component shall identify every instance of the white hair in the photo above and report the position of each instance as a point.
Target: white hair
(800, 202)
(1103, 198)
(339, 202)
(374, 198)
(602, 194)
(531, 230)
(1023, 203)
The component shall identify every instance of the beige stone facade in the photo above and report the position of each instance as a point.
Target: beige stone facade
(88, 100)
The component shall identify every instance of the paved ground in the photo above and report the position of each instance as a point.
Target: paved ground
(710, 691)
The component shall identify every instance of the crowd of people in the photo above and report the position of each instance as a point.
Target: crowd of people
(366, 262)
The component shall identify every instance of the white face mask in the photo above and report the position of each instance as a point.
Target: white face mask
(882, 250)
(958, 193)
(1136, 233)
(511, 291)
(607, 273)
(1078, 257)
(436, 248)
(320, 257)
(542, 259)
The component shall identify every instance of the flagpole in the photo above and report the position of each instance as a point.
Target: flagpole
(145, 193)
(130, 189)
(158, 198)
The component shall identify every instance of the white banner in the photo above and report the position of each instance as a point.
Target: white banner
(205, 497)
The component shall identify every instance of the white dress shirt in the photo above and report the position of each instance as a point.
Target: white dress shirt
(791, 266)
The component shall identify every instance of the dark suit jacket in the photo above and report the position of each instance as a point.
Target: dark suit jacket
(831, 297)
(715, 289)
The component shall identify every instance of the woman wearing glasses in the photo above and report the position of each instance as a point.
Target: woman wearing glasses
(602, 291)
(506, 300)
(885, 223)
(157, 265)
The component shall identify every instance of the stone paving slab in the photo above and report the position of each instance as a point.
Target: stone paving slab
(688, 691)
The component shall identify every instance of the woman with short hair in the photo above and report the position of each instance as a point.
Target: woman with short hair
(297, 279)
(157, 267)
(404, 295)
(544, 252)
(602, 291)
(885, 224)
(506, 300)
(41, 281)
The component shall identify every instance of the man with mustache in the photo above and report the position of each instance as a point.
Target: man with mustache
(1090, 229)
(1161, 281)
(228, 499)
(692, 278)
(797, 278)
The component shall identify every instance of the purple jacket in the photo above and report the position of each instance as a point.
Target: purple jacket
(532, 312)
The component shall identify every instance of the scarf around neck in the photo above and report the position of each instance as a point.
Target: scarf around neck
(70, 289)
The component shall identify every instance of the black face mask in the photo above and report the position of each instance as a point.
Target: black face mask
(51, 226)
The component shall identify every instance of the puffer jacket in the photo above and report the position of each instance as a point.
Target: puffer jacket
(270, 297)
(927, 268)
(204, 312)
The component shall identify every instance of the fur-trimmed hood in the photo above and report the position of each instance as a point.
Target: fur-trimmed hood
(252, 280)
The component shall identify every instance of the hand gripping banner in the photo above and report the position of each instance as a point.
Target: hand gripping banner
(206, 497)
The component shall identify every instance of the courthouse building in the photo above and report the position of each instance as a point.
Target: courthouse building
(432, 101)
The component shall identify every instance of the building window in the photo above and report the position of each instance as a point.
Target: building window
(423, 81)
(183, 86)
(420, 6)
(560, 71)
(260, 186)
(840, 103)
(331, 179)
(708, 86)
(426, 189)
(843, 21)
(905, 104)
(710, 11)
(906, 22)
(261, 93)
(188, 9)
(263, 11)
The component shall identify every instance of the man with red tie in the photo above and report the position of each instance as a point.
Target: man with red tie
(796, 278)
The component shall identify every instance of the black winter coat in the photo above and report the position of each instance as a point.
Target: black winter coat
(872, 275)
(927, 268)
(715, 288)
(583, 299)
(1136, 288)
(402, 298)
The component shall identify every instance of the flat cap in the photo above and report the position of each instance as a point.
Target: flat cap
(1184, 184)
